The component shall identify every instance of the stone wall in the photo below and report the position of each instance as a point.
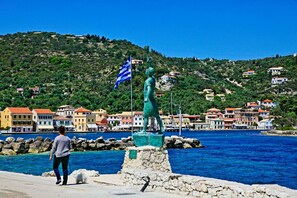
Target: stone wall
(202, 187)
(153, 162)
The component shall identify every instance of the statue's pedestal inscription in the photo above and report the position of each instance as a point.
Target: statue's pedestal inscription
(148, 139)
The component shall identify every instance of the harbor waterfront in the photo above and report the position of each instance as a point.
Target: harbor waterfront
(243, 156)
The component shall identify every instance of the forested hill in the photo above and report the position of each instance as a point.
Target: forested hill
(82, 70)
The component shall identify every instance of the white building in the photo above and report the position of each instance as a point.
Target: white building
(268, 103)
(275, 70)
(265, 124)
(63, 121)
(43, 120)
(167, 78)
(278, 80)
(138, 120)
(113, 120)
(216, 123)
(66, 111)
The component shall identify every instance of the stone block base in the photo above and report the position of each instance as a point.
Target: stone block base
(147, 158)
(145, 139)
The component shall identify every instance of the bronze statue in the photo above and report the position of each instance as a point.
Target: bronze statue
(150, 108)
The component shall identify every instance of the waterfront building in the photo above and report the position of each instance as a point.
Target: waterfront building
(42, 120)
(229, 118)
(193, 119)
(213, 113)
(84, 120)
(185, 121)
(216, 123)
(126, 120)
(248, 117)
(113, 121)
(17, 119)
(63, 121)
(138, 120)
(66, 111)
(202, 126)
(100, 114)
(102, 125)
(265, 124)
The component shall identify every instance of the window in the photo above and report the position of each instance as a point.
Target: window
(14, 116)
(20, 116)
(29, 116)
(24, 116)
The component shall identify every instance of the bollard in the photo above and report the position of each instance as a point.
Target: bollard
(147, 181)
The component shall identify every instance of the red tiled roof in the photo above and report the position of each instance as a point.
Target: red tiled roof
(82, 110)
(19, 110)
(267, 100)
(43, 111)
(230, 109)
(262, 111)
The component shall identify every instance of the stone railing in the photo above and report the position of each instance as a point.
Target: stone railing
(202, 187)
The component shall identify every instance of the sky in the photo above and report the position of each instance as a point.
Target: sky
(221, 29)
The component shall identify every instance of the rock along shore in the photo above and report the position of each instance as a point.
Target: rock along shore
(280, 132)
(12, 146)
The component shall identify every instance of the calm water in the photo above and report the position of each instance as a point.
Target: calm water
(243, 156)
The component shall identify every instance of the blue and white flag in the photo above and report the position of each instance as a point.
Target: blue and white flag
(125, 73)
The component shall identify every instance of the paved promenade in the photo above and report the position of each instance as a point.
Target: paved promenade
(16, 185)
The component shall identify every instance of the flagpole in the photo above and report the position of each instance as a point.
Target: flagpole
(132, 117)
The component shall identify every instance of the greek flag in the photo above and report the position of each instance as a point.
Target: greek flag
(125, 73)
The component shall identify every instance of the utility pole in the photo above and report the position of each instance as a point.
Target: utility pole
(180, 120)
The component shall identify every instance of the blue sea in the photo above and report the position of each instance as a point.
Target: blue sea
(242, 156)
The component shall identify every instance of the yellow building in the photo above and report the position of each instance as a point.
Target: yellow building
(84, 120)
(100, 114)
(17, 119)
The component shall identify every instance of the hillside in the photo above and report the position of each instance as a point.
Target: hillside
(82, 70)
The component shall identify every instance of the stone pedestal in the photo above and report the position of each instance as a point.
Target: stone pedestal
(147, 158)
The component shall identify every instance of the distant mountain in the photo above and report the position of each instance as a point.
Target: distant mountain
(82, 70)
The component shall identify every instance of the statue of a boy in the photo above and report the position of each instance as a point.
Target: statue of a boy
(150, 108)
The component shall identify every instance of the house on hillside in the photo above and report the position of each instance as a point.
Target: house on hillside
(278, 80)
(168, 78)
(248, 73)
(253, 105)
(137, 62)
(263, 113)
(275, 70)
(268, 104)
